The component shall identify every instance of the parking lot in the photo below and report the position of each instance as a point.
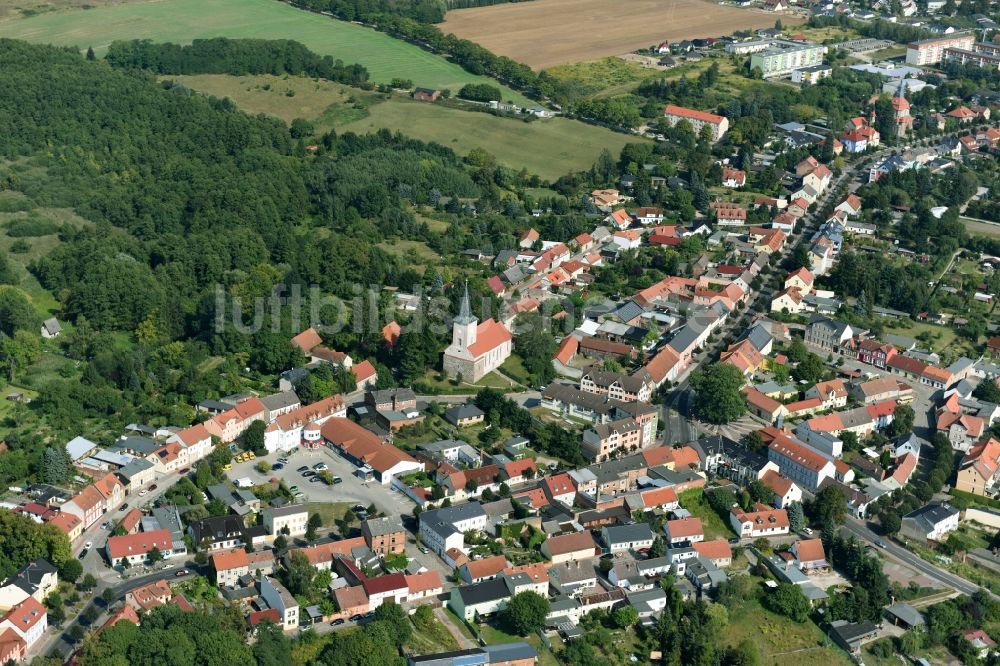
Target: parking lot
(351, 490)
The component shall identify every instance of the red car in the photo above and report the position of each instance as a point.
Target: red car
(182, 572)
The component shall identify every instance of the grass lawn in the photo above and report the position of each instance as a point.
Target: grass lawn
(780, 640)
(431, 639)
(982, 228)
(418, 251)
(514, 368)
(694, 501)
(549, 148)
(942, 336)
(607, 73)
(184, 20)
(38, 246)
(328, 511)
(325, 103)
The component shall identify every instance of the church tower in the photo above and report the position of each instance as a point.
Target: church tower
(463, 328)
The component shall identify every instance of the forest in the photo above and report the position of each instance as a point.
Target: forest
(239, 57)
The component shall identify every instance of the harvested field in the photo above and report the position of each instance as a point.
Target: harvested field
(543, 33)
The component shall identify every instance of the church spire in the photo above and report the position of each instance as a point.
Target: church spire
(464, 311)
(901, 91)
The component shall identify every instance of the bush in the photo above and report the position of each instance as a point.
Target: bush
(31, 227)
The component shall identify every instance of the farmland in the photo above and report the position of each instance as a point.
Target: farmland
(184, 20)
(549, 148)
(544, 33)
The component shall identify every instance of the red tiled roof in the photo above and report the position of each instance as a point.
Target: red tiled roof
(362, 371)
(488, 566)
(567, 349)
(230, 559)
(422, 582)
(383, 584)
(810, 550)
(570, 543)
(776, 482)
(799, 454)
(694, 114)
(138, 544)
(25, 615)
(489, 335)
(269, 615)
(684, 527)
(307, 340)
(716, 549)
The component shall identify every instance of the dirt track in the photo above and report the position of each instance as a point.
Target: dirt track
(543, 33)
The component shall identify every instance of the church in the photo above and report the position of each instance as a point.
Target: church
(476, 349)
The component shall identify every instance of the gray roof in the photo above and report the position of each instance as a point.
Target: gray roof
(906, 613)
(289, 510)
(29, 577)
(461, 412)
(629, 311)
(282, 400)
(52, 326)
(760, 337)
(135, 466)
(506, 653)
(683, 338)
(485, 591)
(513, 275)
(78, 447)
(930, 515)
(623, 533)
(142, 445)
(443, 520)
(383, 526)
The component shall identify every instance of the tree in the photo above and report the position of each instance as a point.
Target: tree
(253, 438)
(315, 522)
(155, 555)
(396, 620)
(18, 352)
(300, 575)
(7, 274)
(525, 612)
(717, 393)
(625, 617)
(902, 420)
(57, 465)
(658, 549)
(788, 600)
(760, 493)
(71, 570)
(796, 517)
(891, 522)
(280, 542)
(987, 391)
(90, 614)
(90, 53)
(108, 595)
(829, 507)
(88, 582)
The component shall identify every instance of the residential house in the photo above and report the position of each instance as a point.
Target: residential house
(277, 597)
(291, 520)
(569, 547)
(28, 620)
(763, 521)
(785, 490)
(618, 538)
(88, 505)
(384, 536)
(977, 473)
(36, 579)
(684, 531)
(135, 548)
(300, 426)
(444, 529)
(932, 522)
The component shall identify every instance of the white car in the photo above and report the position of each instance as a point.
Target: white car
(143, 493)
(88, 545)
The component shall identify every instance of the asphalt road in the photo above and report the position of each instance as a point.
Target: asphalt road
(949, 580)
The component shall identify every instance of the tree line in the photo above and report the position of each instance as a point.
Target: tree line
(239, 57)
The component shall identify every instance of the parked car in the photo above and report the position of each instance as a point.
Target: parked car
(337, 479)
(182, 572)
(124, 506)
(337, 622)
(278, 466)
(319, 467)
(306, 474)
(153, 487)
(143, 492)
(358, 508)
(83, 553)
(303, 468)
(315, 479)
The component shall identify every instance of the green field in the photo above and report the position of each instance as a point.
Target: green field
(184, 20)
(549, 148)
